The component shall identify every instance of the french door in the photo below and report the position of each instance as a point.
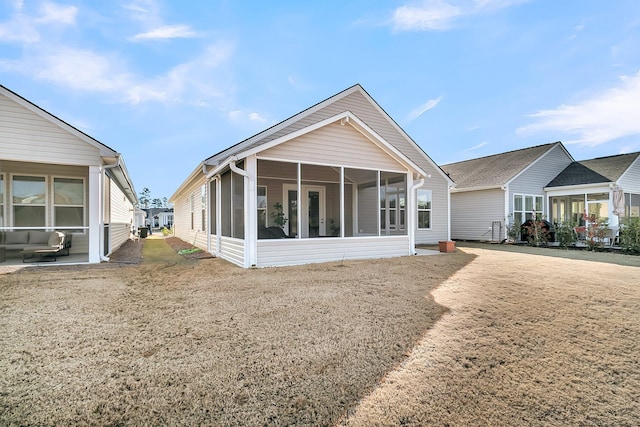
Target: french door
(311, 207)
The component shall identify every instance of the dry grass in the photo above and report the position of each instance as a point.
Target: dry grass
(529, 340)
(176, 341)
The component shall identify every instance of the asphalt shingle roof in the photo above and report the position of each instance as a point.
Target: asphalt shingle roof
(593, 171)
(495, 170)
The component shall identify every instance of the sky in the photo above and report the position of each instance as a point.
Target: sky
(168, 83)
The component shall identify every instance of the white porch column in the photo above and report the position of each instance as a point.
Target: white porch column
(251, 211)
(96, 214)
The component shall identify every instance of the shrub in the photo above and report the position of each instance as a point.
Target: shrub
(630, 235)
(565, 234)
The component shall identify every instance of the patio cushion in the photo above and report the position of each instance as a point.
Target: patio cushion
(17, 238)
(39, 237)
(56, 239)
(278, 232)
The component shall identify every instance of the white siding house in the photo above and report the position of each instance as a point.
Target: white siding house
(55, 177)
(502, 190)
(340, 180)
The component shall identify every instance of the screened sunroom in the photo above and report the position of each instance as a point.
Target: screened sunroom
(298, 212)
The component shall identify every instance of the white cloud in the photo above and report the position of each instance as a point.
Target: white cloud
(417, 112)
(53, 13)
(23, 28)
(240, 117)
(477, 147)
(605, 117)
(167, 32)
(431, 15)
(441, 15)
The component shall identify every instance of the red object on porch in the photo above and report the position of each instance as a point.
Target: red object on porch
(447, 246)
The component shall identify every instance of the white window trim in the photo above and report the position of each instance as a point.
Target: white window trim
(84, 199)
(46, 197)
(430, 210)
(536, 209)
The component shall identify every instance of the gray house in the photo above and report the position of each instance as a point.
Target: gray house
(501, 190)
(339, 180)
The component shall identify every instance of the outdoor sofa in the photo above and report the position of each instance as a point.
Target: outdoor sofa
(36, 244)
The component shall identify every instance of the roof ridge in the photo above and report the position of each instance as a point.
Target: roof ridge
(504, 153)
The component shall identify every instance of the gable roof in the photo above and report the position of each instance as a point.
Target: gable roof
(110, 157)
(594, 171)
(401, 141)
(349, 100)
(496, 170)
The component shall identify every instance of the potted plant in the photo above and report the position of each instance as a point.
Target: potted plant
(279, 219)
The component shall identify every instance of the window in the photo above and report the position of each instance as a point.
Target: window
(262, 206)
(213, 195)
(598, 206)
(392, 202)
(29, 201)
(424, 209)
(203, 205)
(525, 206)
(631, 204)
(68, 202)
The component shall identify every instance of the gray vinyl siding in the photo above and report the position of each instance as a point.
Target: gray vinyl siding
(182, 215)
(277, 252)
(334, 144)
(473, 212)
(533, 179)
(121, 217)
(119, 234)
(25, 136)
(630, 180)
(439, 214)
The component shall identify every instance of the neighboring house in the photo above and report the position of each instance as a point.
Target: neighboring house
(159, 217)
(502, 190)
(55, 177)
(340, 180)
(590, 186)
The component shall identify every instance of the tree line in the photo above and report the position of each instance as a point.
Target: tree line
(147, 202)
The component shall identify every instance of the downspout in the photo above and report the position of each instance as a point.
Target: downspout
(218, 225)
(102, 178)
(249, 233)
(414, 215)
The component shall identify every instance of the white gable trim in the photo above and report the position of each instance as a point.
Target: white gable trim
(530, 165)
(345, 118)
(103, 149)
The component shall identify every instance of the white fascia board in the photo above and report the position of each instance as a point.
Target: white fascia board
(577, 189)
(488, 187)
(346, 118)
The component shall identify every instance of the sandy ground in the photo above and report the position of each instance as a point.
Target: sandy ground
(509, 339)
(528, 340)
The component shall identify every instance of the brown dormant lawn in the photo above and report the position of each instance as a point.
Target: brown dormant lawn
(511, 339)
